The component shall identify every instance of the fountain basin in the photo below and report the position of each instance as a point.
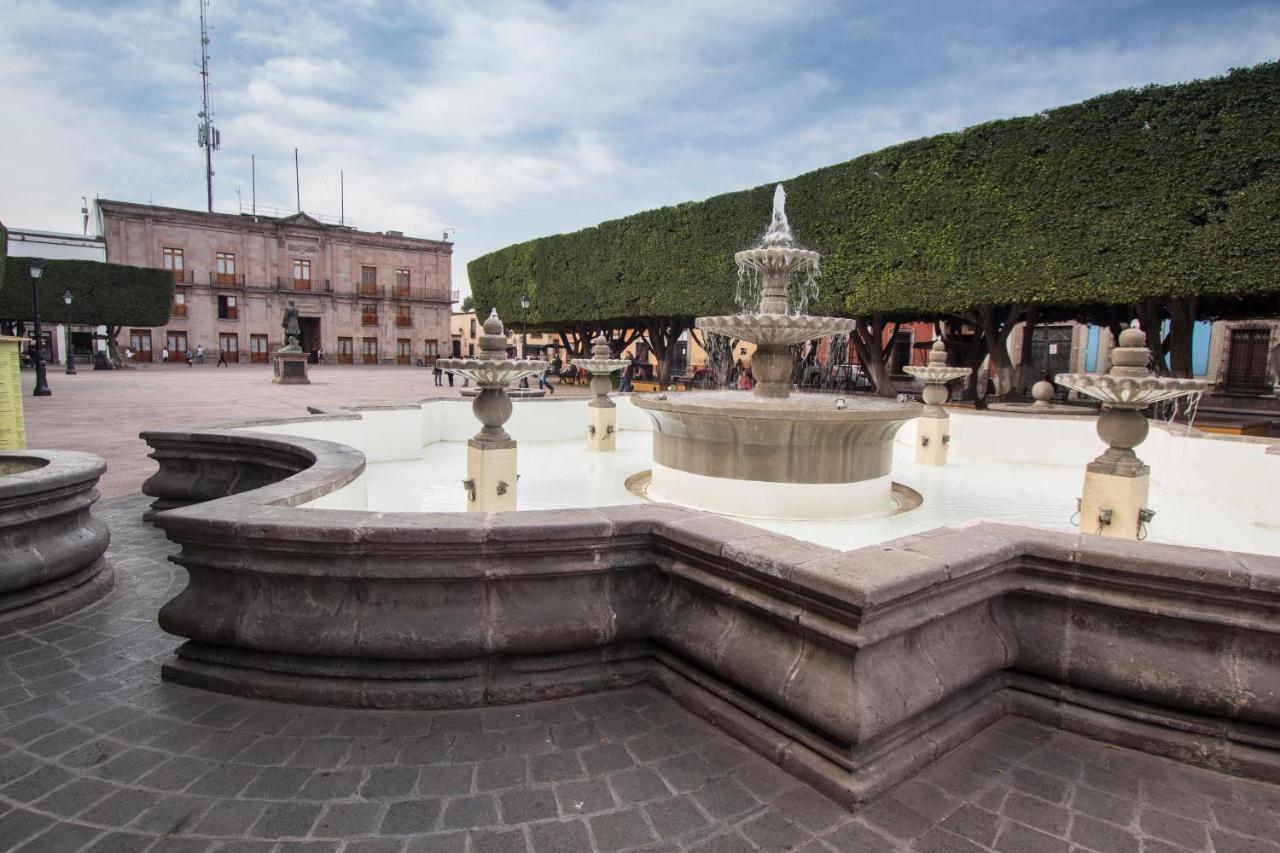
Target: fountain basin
(799, 457)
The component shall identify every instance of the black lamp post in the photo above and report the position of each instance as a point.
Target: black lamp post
(42, 381)
(71, 358)
(524, 327)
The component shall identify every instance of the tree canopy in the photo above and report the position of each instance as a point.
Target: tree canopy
(106, 294)
(1165, 191)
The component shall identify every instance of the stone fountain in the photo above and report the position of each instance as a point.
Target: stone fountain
(771, 453)
(1117, 483)
(933, 430)
(602, 414)
(491, 453)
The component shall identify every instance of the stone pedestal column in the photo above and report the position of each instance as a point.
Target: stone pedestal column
(13, 434)
(933, 438)
(933, 429)
(290, 368)
(491, 456)
(1117, 483)
(602, 415)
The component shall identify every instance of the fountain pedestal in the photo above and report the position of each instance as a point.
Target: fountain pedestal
(1117, 484)
(933, 429)
(602, 414)
(490, 485)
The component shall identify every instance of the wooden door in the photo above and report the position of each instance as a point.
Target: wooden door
(1247, 361)
(258, 349)
(369, 351)
(346, 351)
(404, 351)
(140, 343)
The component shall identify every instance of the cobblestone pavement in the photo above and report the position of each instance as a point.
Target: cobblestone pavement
(97, 754)
(102, 411)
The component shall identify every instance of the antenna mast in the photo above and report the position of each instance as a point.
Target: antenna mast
(209, 137)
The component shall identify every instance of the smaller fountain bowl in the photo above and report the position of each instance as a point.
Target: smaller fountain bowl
(776, 257)
(601, 366)
(492, 373)
(775, 329)
(1129, 392)
(930, 374)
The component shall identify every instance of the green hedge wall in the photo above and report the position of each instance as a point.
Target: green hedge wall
(111, 294)
(1163, 191)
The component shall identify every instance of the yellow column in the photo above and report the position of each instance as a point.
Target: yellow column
(13, 433)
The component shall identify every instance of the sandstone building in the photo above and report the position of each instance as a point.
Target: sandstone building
(365, 298)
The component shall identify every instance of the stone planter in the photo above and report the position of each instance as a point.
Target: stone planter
(51, 546)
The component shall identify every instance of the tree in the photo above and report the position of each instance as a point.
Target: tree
(468, 303)
(111, 295)
(1164, 200)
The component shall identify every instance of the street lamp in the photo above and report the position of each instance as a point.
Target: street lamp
(42, 382)
(524, 327)
(71, 358)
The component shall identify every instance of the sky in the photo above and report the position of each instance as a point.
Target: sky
(513, 120)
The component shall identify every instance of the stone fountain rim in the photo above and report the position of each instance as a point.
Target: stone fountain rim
(1103, 387)
(900, 411)
(927, 373)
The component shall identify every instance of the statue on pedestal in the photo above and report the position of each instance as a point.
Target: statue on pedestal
(292, 330)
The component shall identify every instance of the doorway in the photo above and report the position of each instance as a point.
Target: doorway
(1247, 360)
(1050, 351)
(310, 338)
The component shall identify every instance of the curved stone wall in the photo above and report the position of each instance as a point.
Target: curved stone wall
(52, 546)
(852, 669)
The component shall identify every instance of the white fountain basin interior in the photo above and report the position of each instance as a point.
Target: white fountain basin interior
(1207, 491)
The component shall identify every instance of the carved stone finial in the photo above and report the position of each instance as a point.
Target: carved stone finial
(600, 347)
(938, 354)
(493, 340)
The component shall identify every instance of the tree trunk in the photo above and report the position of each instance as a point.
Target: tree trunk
(1025, 375)
(1150, 315)
(996, 324)
(113, 348)
(661, 335)
(1182, 322)
(868, 342)
(975, 354)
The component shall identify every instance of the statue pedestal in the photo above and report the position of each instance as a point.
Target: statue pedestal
(602, 427)
(933, 437)
(1122, 495)
(491, 476)
(290, 368)
(13, 434)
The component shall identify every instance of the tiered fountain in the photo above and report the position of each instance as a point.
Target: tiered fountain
(602, 414)
(799, 456)
(933, 430)
(491, 453)
(1116, 484)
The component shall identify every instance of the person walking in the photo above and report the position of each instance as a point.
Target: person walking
(190, 358)
(544, 384)
(199, 353)
(222, 359)
(624, 383)
(438, 373)
(164, 356)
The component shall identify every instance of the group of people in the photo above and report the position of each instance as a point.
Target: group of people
(193, 357)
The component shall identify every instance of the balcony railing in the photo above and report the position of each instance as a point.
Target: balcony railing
(179, 310)
(402, 291)
(231, 312)
(184, 276)
(371, 289)
(368, 319)
(304, 285)
(226, 279)
(403, 322)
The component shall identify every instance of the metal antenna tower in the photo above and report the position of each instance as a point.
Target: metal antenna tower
(209, 137)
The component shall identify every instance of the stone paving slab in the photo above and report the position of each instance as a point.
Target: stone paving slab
(102, 411)
(96, 754)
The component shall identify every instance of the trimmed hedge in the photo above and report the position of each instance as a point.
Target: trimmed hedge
(1158, 192)
(107, 294)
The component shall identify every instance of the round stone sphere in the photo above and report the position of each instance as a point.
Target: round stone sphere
(1042, 392)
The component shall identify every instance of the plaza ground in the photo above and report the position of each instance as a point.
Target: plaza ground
(102, 411)
(98, 754)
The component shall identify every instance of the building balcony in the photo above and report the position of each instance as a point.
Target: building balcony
(178, 311)
(226, 279)
(404, 322)
(232, 313)
(402, 292)
(368, 319)
(183, 276)
(371, 289)
(303, 285)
